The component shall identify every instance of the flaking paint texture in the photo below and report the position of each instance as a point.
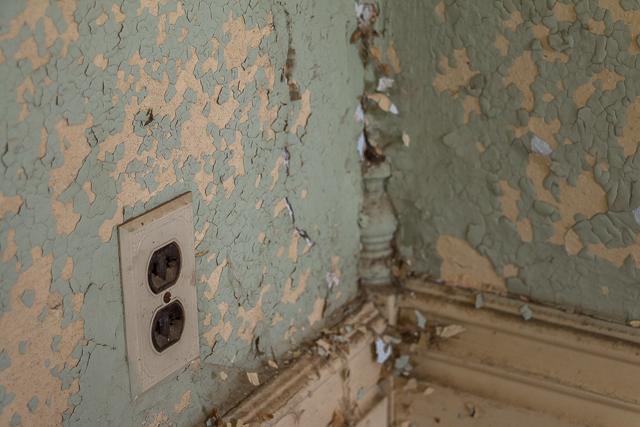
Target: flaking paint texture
(109, 109)
(522, 174)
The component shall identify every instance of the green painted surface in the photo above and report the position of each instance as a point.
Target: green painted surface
(568, 74)
(108, 110)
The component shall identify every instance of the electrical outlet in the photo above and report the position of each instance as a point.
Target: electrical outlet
(157, 258)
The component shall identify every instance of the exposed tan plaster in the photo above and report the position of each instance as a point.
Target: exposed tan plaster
(87, 188)
(100, 21)
(66, 218)
(523, 73)
(502, 44)
(67, 270)
(282, 205)
(235, 52)
(587, 197)
(268, 115)
(508, 200)
(525, 229)
(605, 290)
(291, 296)
(159, 419)
(199, 235)
(10, 204)
(454, 77)
(118, 14)
(335, 260)
(550, 54)
(224, 329)
(280, 252)
(304, 193)
(39, 336)
(596, 27)
(245, 114)
(382, 100)
(393, 57)
(440, 9)
(152, 5)
(277, 319)
(275, 174)
(565, 12)
(509, 270)
(376, 53)
(629, 17)
(609, 81)
(3, 59)
(480, 146)
(629, 138)
(290, 332)
(547, 97)
(26, 85)
(184, 402)
(251, 318)
(259, 204)
(213, 281)
(237, 161)
(261, 237)
(100, 61)
(10, 249)
(318, 309)
(572, 242)
(463, 265)
(75, 151)
(617, 255)
(545, 131)
(304, 113)
(471, 104)
(514, 20)
(293, 247)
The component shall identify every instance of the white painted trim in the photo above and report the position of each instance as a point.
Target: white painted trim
(576, 368)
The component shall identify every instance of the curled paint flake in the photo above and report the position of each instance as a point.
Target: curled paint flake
(383, 351)
(384, 83)
(286, 201)
(332, 279)
(286, 157)
(393, 109)
(359, 114)
(636, 214)
(305, 236)
(525, 312)
(540, 146)
(361, 144)
(422, 321)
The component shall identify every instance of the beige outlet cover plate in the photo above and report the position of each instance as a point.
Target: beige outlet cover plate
(139, 239)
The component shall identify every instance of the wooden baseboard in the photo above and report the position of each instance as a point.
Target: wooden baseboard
(572, 367)
(309, 391)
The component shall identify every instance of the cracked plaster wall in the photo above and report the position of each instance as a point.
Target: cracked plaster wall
(515, 155)
(109, 109)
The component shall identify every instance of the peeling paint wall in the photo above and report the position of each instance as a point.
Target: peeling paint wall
(110, 109)
(515, 155)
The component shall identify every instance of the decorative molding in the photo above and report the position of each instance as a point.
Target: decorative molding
(573, 367)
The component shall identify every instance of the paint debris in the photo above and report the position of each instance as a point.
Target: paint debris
(362, 145)
(428, 391)
(384, 83)
(479, 301)
(541, 147)
(411, 385)
(635, 323)
(273, 364)
(253, 378)
(406, 140)
(383, 351)
(360, 114)
(401, 365)
(525, 312)
(361, 392)
(422, 321)
(449, 331)
(264, 416)
(332, 279)
(338, 419)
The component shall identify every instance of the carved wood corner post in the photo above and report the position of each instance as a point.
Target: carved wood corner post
(378, 223)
